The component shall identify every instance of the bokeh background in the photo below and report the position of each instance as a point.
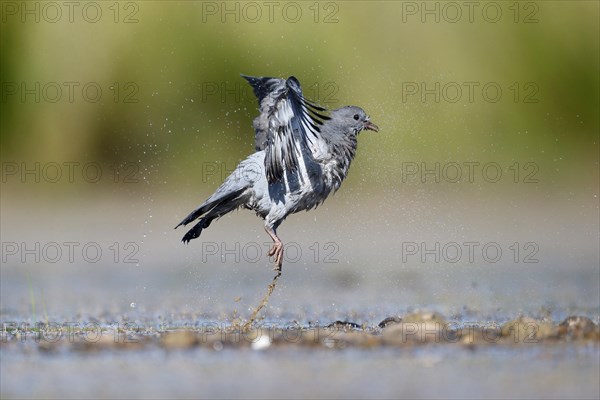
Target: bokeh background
(173, 116)
(175, 53)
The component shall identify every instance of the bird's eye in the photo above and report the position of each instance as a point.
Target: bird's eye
(356, 117)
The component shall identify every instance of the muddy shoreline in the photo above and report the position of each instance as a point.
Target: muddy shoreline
(409, 330)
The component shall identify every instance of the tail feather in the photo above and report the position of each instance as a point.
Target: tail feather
(195, 231)
(210, 210)
(198, 212)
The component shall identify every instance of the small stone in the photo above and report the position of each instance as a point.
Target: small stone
(389, 321)
(344, 325)
(417, 327)
(261, 343)
(528, 330)
(179, 339)
(577, 327)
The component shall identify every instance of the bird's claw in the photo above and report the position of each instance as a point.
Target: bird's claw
(277, 251)
(278, 263)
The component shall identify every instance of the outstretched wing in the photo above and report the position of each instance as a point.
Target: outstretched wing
(286, 126)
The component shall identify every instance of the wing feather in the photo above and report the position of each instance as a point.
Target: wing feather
(287, 124)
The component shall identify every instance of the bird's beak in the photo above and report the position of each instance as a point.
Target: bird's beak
(368, 125)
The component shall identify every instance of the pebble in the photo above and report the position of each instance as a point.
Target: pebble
(578, 327)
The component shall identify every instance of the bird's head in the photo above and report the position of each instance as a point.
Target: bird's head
(352, 120)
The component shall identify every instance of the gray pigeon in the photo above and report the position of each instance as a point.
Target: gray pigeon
(302, 155)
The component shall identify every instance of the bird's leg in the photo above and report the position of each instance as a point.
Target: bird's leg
(277, 249)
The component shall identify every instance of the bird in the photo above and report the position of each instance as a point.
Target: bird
(302, 154)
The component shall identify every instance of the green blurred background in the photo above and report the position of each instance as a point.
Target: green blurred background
(169, 57)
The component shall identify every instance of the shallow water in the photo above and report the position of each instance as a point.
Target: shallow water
(562, 371)
(175, 286)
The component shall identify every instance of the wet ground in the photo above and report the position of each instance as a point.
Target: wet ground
(418, 356)
(349, 318)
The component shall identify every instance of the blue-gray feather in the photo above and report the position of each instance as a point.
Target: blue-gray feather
(302, 156)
